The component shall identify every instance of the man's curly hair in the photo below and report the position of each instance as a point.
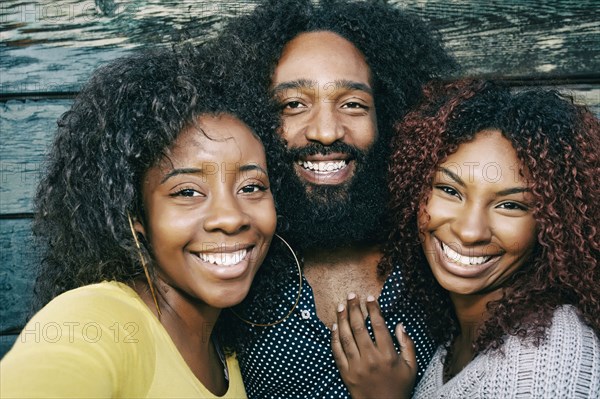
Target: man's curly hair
(123, 122)
(558, 142)
(402, 52)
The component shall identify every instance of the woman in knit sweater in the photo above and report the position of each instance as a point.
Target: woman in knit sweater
(496, 202)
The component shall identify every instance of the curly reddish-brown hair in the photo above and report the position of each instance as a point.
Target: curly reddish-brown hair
(558, 142)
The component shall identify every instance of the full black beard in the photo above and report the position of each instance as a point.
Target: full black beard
(327, 216)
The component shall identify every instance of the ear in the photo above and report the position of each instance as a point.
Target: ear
(139, 227)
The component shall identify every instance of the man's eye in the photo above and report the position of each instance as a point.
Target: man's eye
(355, 105)
(293, 105)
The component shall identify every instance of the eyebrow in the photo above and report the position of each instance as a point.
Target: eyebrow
(251, 166)
(300, 84)
(508, 191)
(199, 171)
(453, 176)
(514, 190)
(181, 171)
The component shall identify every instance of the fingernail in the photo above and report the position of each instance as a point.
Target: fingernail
(334, 327)
(401, 327)
(340, 307)
(370, 298)
(351, 296)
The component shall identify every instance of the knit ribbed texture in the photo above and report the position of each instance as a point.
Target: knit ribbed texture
(565, 365)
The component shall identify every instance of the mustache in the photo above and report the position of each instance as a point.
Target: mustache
(318, 148)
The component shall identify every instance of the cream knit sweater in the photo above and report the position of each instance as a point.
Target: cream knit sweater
(565, 365)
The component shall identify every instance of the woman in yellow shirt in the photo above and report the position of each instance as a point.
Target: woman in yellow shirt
(155, 213)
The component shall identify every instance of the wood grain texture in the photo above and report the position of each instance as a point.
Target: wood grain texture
(26, 131)
(54, 46)
(19, 258)
(512, 38)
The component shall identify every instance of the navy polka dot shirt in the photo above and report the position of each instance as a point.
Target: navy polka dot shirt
(293, 359)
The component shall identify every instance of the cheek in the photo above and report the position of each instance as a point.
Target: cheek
(171, 220)
(522, 236)
(434, 213)
(365, 134)
(267, 218)
(289, 129)
(169, 228)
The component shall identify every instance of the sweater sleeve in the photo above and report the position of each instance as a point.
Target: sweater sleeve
(566, 365)
(84, 344)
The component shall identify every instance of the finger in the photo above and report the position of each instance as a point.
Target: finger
(345, 334)
(383, 337)
(407, 348)
(357, 323)
(338, 352)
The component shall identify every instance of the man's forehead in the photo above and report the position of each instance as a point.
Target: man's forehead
(309, 85)
(322, 58)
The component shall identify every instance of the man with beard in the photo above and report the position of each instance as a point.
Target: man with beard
(342, 72)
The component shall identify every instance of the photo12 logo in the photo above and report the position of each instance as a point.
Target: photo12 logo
(73, 331)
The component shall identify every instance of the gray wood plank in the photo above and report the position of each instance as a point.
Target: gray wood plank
(27, 129)
(511, 38)
(588, 95)
(19, 259)
(54, 46)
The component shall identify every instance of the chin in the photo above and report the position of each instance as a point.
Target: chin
(231, 297)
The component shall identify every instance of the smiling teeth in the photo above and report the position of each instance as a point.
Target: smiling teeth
(323, 166)
(463, 260)
(224, 258)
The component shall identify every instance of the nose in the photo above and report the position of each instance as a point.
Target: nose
(226, 215)
(324, 126)
(472, 226)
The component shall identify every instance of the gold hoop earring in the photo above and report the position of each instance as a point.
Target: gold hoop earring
(144, 265)
(297, 297)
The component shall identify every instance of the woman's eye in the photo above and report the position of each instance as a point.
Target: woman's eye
(449, 191)
(512, 206)
(253, 188)
(187, 192)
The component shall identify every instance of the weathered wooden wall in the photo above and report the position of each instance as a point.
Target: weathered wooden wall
(49, 48)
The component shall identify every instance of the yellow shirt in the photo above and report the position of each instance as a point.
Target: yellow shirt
(101, 341)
